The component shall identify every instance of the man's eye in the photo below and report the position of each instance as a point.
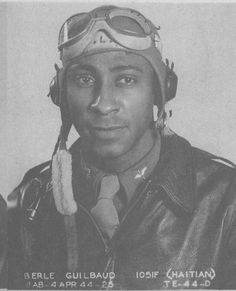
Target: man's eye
(126, 81)
(84, 81)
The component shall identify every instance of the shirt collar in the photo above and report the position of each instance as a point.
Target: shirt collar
(131, 178)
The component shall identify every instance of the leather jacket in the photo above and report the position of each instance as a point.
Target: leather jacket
(179, 230)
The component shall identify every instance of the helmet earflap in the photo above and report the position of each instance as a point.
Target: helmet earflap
(171, 82)
(55, 85)
(57, 95)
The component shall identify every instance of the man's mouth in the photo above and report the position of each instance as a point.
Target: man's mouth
(105, 132)
(107, 128)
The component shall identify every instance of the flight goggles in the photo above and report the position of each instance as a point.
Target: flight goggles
(125, 26)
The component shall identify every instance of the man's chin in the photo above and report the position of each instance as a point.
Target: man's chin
(107, 152)
(105, 155)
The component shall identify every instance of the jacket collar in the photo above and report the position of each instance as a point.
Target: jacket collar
(175, 172)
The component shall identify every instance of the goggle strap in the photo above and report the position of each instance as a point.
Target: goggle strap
(65, 32)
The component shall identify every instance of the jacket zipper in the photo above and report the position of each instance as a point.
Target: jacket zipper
(106, 247)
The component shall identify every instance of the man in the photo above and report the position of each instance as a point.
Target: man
(131, 205)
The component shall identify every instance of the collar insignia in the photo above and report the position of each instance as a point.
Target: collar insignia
(141, 173)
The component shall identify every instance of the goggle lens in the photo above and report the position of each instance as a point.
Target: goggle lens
(73, 27)
(78, 25)
(126, 25)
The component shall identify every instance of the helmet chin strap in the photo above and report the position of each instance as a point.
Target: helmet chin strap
(65, 129)
(62, 164)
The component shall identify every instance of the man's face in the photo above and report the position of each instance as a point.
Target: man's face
(110, 99)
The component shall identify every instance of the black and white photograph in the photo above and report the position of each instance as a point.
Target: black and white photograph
(118, 130)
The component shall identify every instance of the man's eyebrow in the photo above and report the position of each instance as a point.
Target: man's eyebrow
(127, 67)
(92, 69)
(84, 67)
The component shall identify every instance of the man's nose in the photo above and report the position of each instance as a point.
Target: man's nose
(104, 101)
